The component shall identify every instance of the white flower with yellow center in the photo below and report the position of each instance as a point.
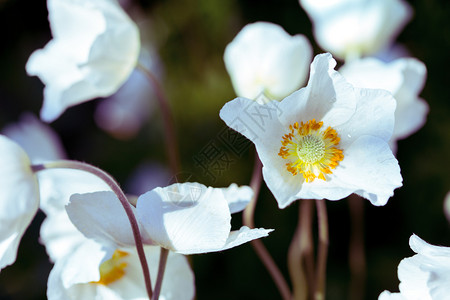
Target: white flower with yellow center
(326, 140)
(94, 49)
(424, 276)
(96, 271)
(265, 59)
(19, 198)
(352, 28)
(404, 78)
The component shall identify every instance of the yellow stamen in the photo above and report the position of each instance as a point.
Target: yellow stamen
(310, 150)
(112, 269)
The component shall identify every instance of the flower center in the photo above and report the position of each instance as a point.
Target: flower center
(113, 269)
(311, 150)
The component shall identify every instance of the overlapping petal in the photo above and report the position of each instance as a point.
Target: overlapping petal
(404, 78)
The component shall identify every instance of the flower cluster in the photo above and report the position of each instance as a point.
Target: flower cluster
(319, 133)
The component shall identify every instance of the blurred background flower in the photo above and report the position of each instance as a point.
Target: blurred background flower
(190, 36)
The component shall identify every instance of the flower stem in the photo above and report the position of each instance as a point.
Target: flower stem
(322, 251)
(171, 140)
(300, 256)
(258, 246)
(109, 180)
(357, 257)
(161, 268)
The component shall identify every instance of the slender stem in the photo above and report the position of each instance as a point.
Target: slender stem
(161, 268)
(357, 257)
(171, 140)
(322, 251)
(109, 180)
(258, 246)
(300, 256)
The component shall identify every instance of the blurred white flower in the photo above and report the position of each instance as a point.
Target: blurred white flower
(404, 78)
(326, 140)
(263, 58)
(187, 218)
(19, 198)
(96, 271)
(94, 49)
(424, 276)
(352, 28)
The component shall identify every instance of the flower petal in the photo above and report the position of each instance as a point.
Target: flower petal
(237, 197)
(94, 49)
(264, 58)
(244, 235)
(186, 218)
(370, 169)
(101, 217)
(19, 199)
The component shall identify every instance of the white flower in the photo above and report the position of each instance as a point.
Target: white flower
(56, 186)
(424, 276)
(93, 271)
(95, 47)
(190, 218)
(19, 198)
(349, 28)
(326, 140)
(187, 218)
(404, 78)
(263, 58)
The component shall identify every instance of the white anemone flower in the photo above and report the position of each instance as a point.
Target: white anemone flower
(325, 141)
(349, 28)
(94, 49)
(42, 144)
(404, 78)
(187, 218)
(265, 59)
(424, 276)
(19, 198)
(95, 271)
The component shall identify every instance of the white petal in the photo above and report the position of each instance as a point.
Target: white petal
(386, 295)
(356, 27)
(244, 235)
(100, 216)
(370, 169)
(57, 185)
(326, 91)
(59, 236)
(413, 281)
(264, 58)
(186, 218)
(95, 47)
(237, 197)
(19, 198)
(39, 140)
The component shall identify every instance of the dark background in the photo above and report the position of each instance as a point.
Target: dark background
(190, 37)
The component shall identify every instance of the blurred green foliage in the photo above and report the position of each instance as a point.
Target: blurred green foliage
(190, 36)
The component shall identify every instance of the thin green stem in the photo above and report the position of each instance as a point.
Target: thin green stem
(109, 180)
(300, 255)
(258, 246)
(170, 135)
(161, 268)
(357, 257)
(322, 252)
